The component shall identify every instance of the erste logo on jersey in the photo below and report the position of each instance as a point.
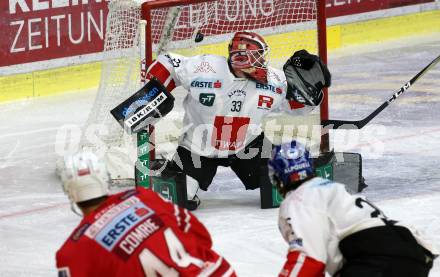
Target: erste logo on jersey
(204, 67)
(206, 83)
(265, 102)
(269, 87)
(115, 226)
(104, 217)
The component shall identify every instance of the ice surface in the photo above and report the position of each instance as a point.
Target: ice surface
(401, 150)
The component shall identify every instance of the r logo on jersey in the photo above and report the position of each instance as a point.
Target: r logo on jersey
(265, 102)
(207, 99)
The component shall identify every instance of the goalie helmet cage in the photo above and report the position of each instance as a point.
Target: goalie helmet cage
(139, 29)
(181, 24)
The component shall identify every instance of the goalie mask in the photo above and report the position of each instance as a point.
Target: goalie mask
(248, 55)
(290, 163)
(306, 76)
(84, 177)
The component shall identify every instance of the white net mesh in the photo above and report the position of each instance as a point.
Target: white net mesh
(203, 28)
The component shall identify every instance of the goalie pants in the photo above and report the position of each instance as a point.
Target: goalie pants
(385, 251)
(203, 169)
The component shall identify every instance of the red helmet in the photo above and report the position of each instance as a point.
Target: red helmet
(247, 54)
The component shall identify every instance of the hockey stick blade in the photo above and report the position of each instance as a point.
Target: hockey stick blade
(358, 124)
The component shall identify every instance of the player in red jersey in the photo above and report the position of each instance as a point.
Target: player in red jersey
(133, 233)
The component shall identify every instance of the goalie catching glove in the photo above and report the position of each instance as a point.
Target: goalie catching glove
(306, 76)
(147, 106)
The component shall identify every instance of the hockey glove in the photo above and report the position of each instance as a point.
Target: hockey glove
(306, 76)
(147, 106)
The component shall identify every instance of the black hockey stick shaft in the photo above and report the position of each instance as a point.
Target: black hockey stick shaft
(358, 124)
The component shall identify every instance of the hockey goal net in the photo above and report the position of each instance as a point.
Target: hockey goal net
(137, 31)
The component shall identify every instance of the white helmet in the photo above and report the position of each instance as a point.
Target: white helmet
(84, 177)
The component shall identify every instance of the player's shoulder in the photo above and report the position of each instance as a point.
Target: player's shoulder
(318, 184)
(74, 242)
(76, 252)
(176, 59)
(196, 66)
(171, 59)
(314, 191)
(325, 190)
(275, 75)
(212, 57)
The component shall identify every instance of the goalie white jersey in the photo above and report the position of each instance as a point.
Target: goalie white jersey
(223, 113)
(317, 216)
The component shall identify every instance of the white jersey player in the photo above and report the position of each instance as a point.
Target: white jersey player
(226, 102)
(330, 230)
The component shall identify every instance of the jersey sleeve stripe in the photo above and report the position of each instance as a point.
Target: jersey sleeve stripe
(152, 65)
(169, 84)
(229, 273)
(298, 265)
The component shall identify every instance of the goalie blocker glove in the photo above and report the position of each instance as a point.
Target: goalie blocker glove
(147, 106)
(306, 76)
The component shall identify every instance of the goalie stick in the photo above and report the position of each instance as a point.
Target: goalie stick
(358, 124)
